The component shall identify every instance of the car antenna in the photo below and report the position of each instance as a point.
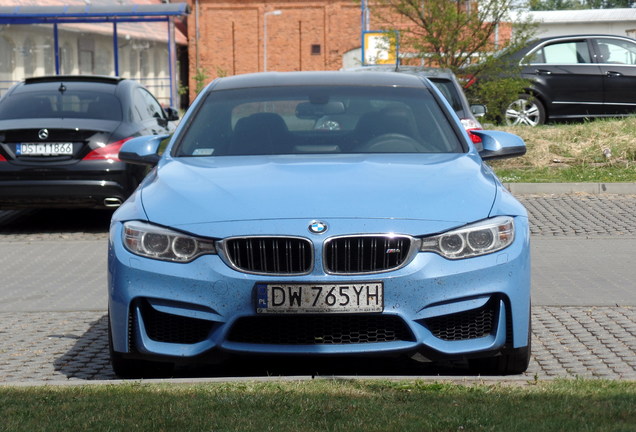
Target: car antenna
(62, 88)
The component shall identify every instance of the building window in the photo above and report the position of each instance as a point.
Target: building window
(158, 62)
(315, 49)
(134, 63)
(7, 58)
(86, 45)
(86, 62)
(144, 63)
(49, 58)
(103, 62)
(66, 59)
(29, 58)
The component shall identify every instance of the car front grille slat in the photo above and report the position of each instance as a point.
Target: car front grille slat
(366, 254)
(320, 330)
(163, 327)
(294, 255)
(471, 324)
(270, 255)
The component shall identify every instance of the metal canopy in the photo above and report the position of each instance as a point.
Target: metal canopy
(55, 15)
(90, 13)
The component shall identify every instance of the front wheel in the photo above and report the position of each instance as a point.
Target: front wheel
(526, 110)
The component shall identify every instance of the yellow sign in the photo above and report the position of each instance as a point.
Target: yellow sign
(379, 48)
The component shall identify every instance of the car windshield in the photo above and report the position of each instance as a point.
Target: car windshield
(318, 119)
(54, 104)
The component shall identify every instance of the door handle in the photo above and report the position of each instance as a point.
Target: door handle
(611, 74)
(542, 72)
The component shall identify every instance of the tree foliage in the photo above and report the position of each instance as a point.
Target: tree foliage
(451, 33)
(465, 37)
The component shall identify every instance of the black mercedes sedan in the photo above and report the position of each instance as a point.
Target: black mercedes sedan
(60, 138)
(577, 76)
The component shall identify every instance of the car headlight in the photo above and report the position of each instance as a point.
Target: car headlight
(480, 238)
(163, 244)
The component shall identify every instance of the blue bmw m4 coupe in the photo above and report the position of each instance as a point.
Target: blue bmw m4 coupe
(320, 214)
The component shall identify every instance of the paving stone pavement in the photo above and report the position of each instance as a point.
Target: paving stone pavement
(568, 341)
(550, 215)
(581, 214)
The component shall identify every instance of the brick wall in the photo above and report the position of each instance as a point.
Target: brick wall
(308, 35)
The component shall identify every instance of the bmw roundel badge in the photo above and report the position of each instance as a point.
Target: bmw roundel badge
(318, 227)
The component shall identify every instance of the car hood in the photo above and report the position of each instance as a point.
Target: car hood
(453, 188)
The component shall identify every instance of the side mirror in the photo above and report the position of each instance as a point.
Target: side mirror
(143, 150)
(478, 110)
(172, 114)
(500, 145)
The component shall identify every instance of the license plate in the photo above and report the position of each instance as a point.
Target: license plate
(44, 149)
(320, 298)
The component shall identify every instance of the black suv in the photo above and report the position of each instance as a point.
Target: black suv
(575, 77)
(60, 138)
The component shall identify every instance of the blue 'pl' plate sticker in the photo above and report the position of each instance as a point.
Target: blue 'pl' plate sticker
(261, 296)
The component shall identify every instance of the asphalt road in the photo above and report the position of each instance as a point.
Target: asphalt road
(53, 296)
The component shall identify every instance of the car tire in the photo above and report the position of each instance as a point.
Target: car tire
(513, 362)
(527, 110)
(126, 368)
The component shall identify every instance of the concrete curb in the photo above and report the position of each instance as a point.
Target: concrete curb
(570, 188)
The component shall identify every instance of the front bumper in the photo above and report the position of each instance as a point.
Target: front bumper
(439, 308)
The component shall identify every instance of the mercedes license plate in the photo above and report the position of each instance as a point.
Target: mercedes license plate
(320, 298)
(44, 149)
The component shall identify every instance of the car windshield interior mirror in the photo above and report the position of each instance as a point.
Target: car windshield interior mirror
(311, 110)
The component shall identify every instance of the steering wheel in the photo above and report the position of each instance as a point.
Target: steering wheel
(390, 143)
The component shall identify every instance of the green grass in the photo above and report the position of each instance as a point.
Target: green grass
(602, 150)
(568, 174)
(323, 405)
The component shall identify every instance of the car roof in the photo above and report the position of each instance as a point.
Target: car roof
(326, 78)
(101, 83)
(584, 35)
(419, 70)
(74, 78)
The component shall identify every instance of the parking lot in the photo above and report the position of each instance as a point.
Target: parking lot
(53, 298)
